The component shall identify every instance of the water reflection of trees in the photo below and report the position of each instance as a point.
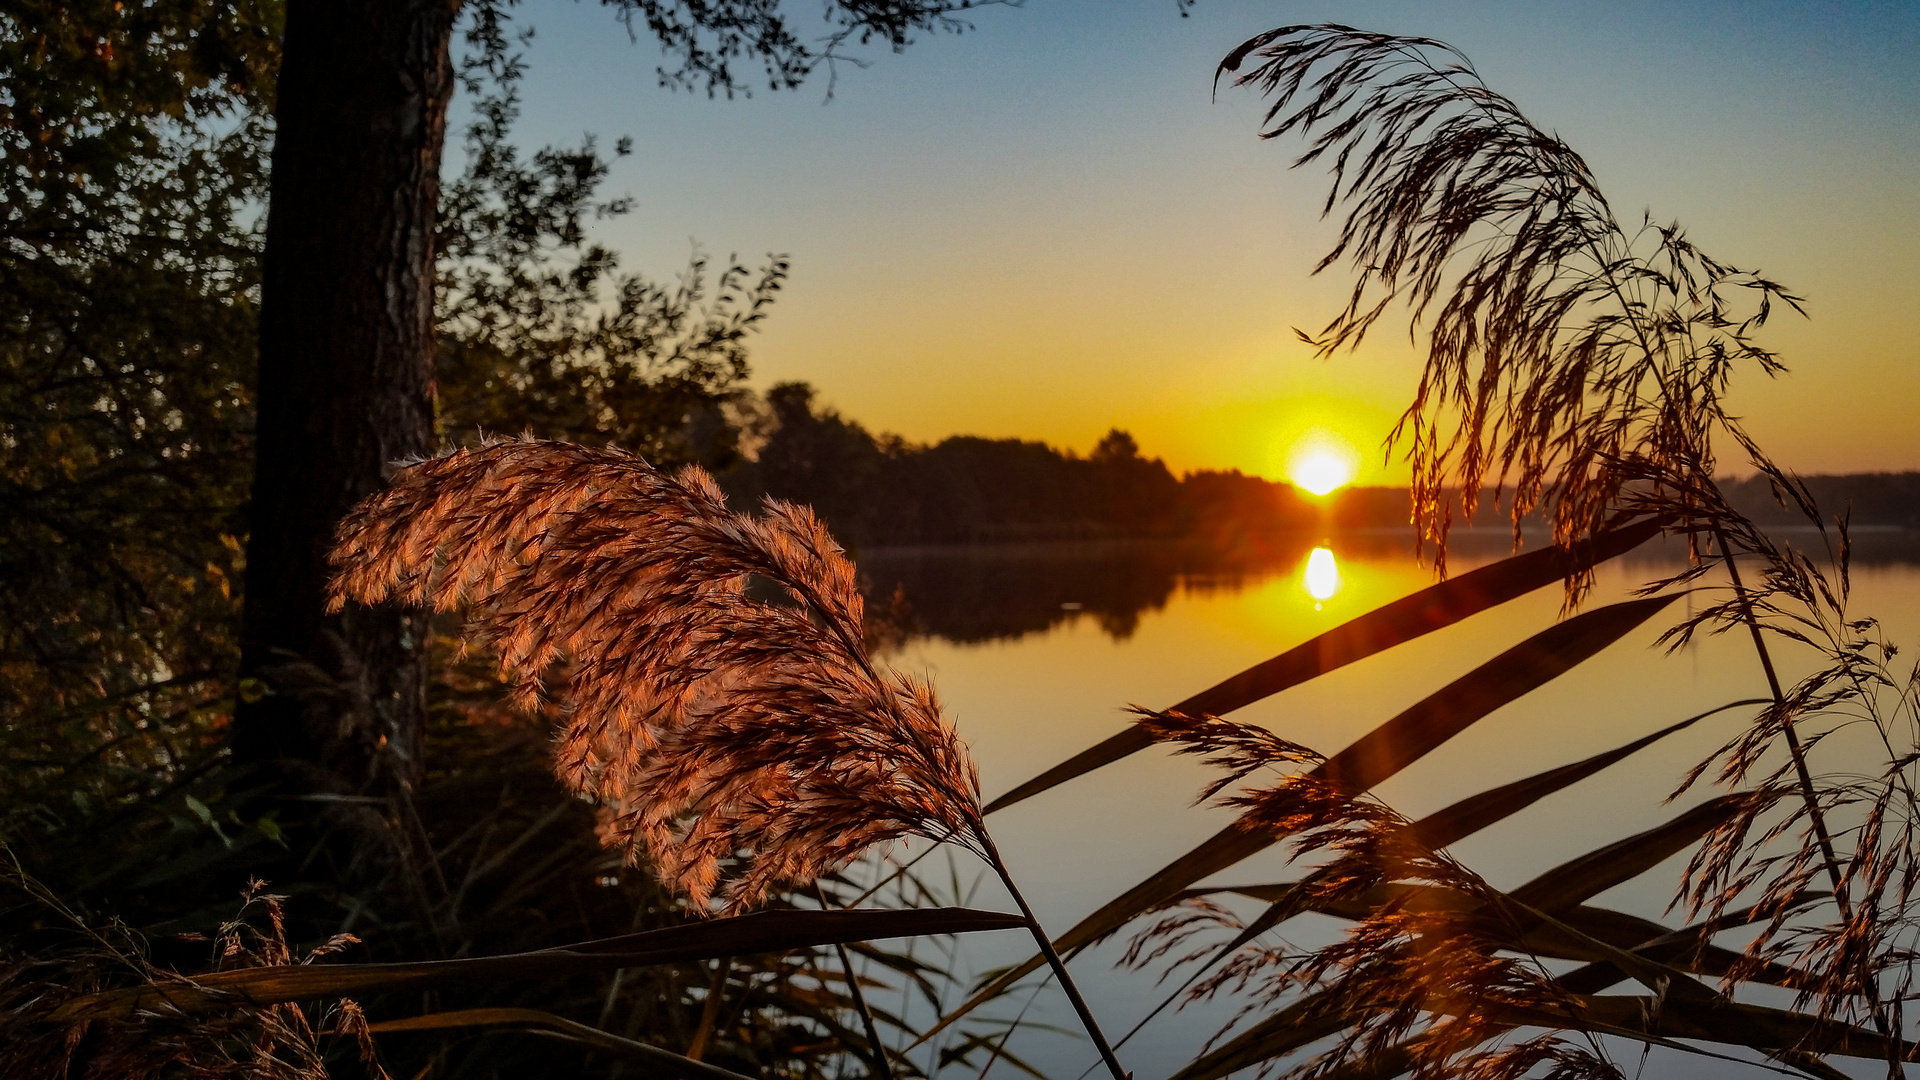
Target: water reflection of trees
(989, 592)
(984, 593)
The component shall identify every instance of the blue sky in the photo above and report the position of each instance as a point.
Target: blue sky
(1050, 226)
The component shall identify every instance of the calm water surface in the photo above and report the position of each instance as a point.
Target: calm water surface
(1036, 654)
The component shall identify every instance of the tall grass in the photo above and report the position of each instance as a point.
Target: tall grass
(711, 724)
(1580, 367)
(716, 702)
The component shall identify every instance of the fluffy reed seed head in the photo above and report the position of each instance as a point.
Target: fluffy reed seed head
(710, 723)
(1560, 343)
(1438, 971)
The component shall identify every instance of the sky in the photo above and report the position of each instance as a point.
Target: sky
(1051, 225)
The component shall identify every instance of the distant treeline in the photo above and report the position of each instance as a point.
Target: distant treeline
(1874, 499)
(884, 491)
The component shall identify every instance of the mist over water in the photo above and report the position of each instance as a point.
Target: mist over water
(1036, 652)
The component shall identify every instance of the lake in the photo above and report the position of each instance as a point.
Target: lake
(1036, 653)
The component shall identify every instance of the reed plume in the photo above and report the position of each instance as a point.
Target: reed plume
(719, 703)
(1584, 363)
(1855, 833)
(1428, 972)
(1561, 342)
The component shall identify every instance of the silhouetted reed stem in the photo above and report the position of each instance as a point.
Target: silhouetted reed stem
(1053, 959)
(1869, 984)
(1805, 776)
(710, 1009)
(880, 1061)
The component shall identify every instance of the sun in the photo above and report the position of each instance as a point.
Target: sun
(1322, 461)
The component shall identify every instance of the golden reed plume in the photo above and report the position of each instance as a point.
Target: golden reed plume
(720, 704)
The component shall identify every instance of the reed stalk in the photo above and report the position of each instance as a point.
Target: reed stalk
(1816, 817)
(881, 1064)
(1054, 961)
(1808, 793)
(738, 740)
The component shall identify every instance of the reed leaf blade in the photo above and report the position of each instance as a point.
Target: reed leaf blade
(1476, 812)
(1311, 1017)
(1392, 746)
(763, 932)
(1527, 666)
(673, 1064)
(1374, 757)
(1779, 1033)
(1581, 878)
(1432, 608)
(1729, 1023)
(1448, 826)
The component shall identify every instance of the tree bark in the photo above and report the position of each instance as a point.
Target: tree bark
(346, 381)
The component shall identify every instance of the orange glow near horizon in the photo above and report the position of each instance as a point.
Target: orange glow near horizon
(1321, 462)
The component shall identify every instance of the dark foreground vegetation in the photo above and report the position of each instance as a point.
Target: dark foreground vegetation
(193, 395)
(179, 714)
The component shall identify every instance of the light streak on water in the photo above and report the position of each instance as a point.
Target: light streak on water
(1322, 577)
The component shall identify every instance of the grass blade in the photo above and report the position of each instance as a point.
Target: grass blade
(1691, 947)
(1321, 1014)
(1374, 757)
(1578, 879)
(1527, 666)
(1432, 608)
(670, 1063)
(763, 932)
(1468, 816)
(1730, 1023)
(1614, 940)
(1437, 830)
(1788, 1036)
(1476, 812)
(1311, 1017)
(1392, 746)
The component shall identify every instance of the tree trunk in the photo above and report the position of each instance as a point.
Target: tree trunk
(346, 381)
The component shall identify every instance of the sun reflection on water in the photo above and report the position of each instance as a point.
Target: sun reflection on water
(1322, 576)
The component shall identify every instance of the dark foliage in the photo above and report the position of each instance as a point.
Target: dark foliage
(709, 37)
(134, 159)
(136, 150)
(135, 141)
(539, 329)
(883, 490)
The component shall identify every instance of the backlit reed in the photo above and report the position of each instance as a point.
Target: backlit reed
(1559, 342)
(719, 703)
(239, 1041)
(1426, 978)
(1584, 364)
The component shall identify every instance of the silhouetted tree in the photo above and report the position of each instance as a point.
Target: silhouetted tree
(133, 140)
(347, 347)
(539, 331)
(346, 369)
(881, 490)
